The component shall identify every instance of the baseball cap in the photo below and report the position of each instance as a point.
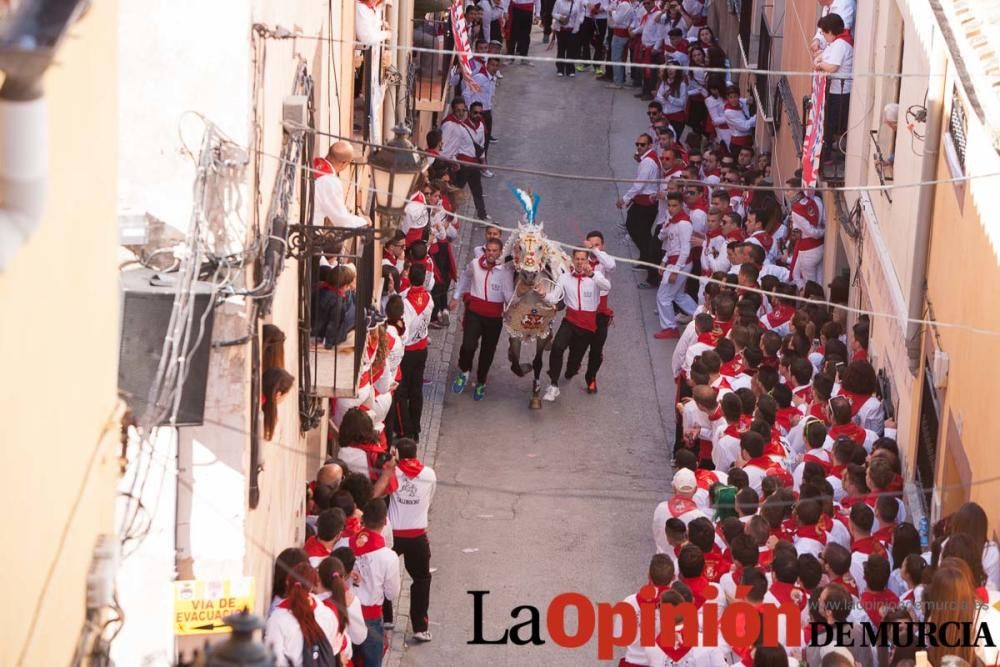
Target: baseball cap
(684, 481)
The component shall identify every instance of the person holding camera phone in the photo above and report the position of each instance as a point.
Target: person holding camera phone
(410, 488)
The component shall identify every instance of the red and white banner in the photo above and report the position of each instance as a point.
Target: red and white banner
(460, 29)
(812, 145)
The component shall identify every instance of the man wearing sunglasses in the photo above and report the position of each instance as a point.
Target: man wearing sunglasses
(463, 143)
(642, 206)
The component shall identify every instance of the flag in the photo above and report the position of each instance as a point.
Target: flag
(812, 145)
(460, 30)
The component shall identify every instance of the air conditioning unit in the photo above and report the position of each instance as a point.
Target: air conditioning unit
(146, 304)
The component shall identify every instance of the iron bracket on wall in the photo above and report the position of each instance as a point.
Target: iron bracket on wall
(305, 241)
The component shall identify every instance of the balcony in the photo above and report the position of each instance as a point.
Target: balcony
(429, 74)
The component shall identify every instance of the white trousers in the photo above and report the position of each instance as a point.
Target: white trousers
(808, 266)
(670, 293)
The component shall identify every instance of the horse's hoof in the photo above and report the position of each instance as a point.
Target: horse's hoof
(520, 370)
(536, 403)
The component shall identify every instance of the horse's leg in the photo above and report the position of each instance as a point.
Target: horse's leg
(514, 354)
(541, 345)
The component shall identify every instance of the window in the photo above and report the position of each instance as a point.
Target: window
(763, 63)
(746, 22)
(927, 439)
(363, 73)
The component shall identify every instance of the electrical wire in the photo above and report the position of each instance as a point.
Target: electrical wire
(708, 279)
(616, 179)
(285, 34)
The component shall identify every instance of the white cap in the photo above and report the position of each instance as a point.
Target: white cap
(685, 481)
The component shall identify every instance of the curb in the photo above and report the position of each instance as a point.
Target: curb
(437, 373)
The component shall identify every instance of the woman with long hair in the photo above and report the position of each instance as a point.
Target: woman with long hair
(971, 520)
(357, 631)
(672, 94)
(283, 564)
(951, 599)
(272, 354)
(334, 594)
(697, 89)
(905, 542)
(300, 623)
(360, 444)
(274, 386)
(706, 38)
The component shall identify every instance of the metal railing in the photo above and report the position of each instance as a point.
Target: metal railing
(430, 70)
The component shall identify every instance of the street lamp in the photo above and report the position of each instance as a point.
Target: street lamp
(240, 650)
(395, 168)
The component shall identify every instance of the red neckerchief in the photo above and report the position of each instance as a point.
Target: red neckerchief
(847, 581)
(366, 541)
(410, 467)
(679, 506)
(677, 652)
(763, 462)
(700, 205)
(774, 446)
(716, 564)
(735, 106)
(314, 548)
(815, 458)
(352, 526)
(708, 338)
(322, 166)
(850, 430)
(784, 417)
(857, 400)
(705, 478)
(735, 430)
(642, 598)
(714, 233)
(868, 545)
(860, 355)
(680, 217)
(813, 532)
(789, 593)
(418, 297)
(818, 410)
(697, 586)
(884, 535)
(769, 361)
(451, 117)
(735, 235)
(372, 451)
(845, 36)
(780, 314)
(878, 602)
(983, 594)
(733, 367)
(837, 470)
(765, 239)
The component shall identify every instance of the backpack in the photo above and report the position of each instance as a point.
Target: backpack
(319, 654)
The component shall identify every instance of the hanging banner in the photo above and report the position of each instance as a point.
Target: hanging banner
(812, 145)
(460, 30)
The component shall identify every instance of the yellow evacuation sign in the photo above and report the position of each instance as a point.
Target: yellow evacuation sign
(200, 606)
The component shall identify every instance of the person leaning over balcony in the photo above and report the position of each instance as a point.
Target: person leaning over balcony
(837, 59)
(842, 8)
(328, 199)
(369, 28)
(463, 144)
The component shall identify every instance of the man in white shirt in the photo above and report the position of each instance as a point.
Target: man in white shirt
(680, 506)
(378, 568)
(409, 503)
(640, 199)
(328, 191)
(485, 287)
(463, 141)
(675, 236)
(581, 292)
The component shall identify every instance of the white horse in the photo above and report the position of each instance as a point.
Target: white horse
(538, 264)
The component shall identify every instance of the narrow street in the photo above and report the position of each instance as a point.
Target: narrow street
(531, 503)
